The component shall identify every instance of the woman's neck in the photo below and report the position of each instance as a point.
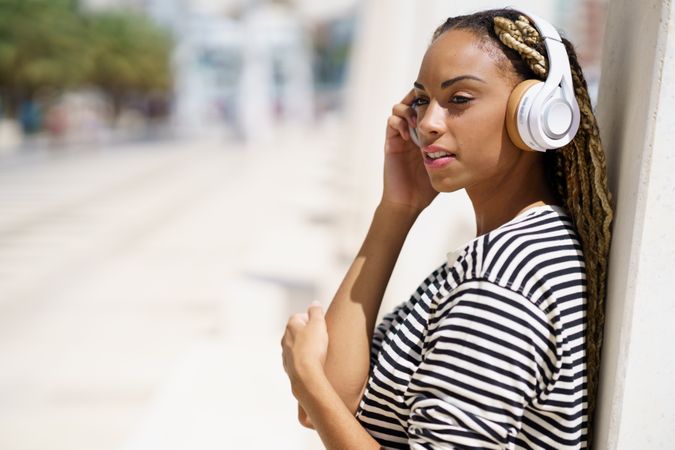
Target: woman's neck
(500, 200)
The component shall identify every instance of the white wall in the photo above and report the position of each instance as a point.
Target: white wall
(636, 111)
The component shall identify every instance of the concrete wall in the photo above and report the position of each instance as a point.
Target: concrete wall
(636, 111)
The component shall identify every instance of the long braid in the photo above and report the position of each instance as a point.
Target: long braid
(519, 35)
(579, 177)
(576, 172)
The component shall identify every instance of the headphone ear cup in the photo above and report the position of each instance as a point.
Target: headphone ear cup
(512, 107)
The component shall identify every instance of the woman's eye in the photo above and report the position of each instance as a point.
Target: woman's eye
(417, 101)
(462, 100)
(457, 100)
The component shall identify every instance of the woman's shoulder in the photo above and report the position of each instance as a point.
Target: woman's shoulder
(529, 254)
(540, 229)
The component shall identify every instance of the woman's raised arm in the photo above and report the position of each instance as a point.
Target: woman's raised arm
(351, 315)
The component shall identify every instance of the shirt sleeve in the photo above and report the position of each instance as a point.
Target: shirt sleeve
(382, 329)
(394, 317)
(489, 351)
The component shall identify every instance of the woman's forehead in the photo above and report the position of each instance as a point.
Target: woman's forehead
(458, 52)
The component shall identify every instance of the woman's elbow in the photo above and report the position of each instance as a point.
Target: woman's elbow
(303, 418)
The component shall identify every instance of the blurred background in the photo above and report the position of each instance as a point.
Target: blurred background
(176, 179)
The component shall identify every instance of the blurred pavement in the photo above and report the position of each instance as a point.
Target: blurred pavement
(144, 290)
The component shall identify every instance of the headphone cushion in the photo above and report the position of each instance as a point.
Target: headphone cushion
(512, 107)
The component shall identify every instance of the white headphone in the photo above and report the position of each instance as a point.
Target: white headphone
(544, 115)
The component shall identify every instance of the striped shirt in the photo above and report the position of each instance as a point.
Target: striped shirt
(489, 351)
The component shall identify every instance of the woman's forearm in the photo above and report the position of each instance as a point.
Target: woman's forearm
(335, 423)
(351, 315)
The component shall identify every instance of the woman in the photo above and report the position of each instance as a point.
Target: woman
(499, 347)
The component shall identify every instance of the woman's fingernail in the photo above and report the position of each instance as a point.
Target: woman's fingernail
(315, 303)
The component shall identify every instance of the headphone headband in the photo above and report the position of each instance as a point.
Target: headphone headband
(559, 72)
(544, 122)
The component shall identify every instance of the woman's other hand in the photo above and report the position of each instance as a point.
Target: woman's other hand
(406, 182)
(304, 345)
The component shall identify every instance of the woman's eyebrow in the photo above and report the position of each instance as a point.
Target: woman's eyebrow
(449, 82)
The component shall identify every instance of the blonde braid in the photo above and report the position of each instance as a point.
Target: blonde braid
(578, 175)
(519, 35)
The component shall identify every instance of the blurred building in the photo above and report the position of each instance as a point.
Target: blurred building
(207, 65)
(241, 68)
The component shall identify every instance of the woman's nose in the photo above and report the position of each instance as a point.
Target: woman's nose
(432, 121)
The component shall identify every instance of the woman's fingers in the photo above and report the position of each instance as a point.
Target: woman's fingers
(400, 125)
(406, 112)
(409, 97)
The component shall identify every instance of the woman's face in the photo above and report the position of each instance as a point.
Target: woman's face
(466, 116)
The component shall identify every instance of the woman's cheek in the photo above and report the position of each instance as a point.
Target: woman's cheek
(492, 143)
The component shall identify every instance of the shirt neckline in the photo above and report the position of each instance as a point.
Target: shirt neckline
(548, 207)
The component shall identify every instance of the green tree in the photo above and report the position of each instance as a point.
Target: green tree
(40, 48)
(129, 56)
(51, 45)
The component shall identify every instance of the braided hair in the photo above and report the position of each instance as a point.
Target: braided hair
(576, 172)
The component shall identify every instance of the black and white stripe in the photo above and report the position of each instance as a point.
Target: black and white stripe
(489, 351)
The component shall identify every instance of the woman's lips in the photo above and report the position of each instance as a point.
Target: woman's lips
(438, 162)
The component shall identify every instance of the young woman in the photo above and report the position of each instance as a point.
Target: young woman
(499, 347)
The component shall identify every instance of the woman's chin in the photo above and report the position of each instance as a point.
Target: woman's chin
(445, 187)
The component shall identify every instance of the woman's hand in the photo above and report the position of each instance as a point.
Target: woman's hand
(406, 182)
(304, 345)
